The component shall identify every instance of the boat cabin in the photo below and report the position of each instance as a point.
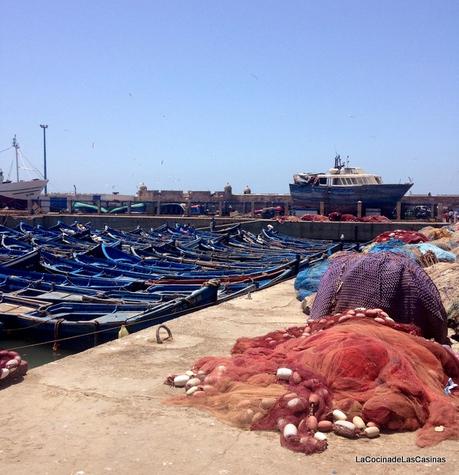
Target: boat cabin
(338, 177)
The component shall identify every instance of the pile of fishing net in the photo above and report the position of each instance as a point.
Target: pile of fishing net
(435, 233)
(12, 367)
(374, 219)
(391, 245)
(313, 217)
(305, 381)
(446, 278)
(307, 280)
(386, 280)
(408, 237)
(425, 253)
(346, 217)
(288, 219)
(440, 253)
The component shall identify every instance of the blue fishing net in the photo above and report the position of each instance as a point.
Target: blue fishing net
(307, 281)
(392, 245)
(440, 254)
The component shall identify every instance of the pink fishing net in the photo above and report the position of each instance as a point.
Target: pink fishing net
(12, 367)
(358, 361)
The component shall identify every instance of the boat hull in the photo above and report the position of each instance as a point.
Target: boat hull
(17, 194)
(344, 199)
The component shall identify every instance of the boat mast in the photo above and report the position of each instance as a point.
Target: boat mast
(338, 163)
(16, 147)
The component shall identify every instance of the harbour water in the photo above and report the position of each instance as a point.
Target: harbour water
(35, 355)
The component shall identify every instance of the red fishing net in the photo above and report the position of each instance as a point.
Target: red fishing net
(12, 367)
(360, 362)
(408, 237)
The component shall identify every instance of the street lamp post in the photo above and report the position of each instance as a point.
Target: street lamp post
(44, 127)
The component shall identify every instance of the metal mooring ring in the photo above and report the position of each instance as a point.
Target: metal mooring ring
(159, 340)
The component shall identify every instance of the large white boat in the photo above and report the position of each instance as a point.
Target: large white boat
(343, 187)
(17, 194)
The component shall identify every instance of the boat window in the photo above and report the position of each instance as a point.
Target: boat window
(323, 181)
(336, 181)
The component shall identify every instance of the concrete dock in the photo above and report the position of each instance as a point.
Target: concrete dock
(102, 411)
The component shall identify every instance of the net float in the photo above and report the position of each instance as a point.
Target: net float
(190, 373)
(325, 426)
(209, 389)
(181, 380)
(371, 432)
(339, 415)
(284, 373)
(296, 405)
(12, 364)
(351, 312)
(360, 309)
(314, 398)
(380, 320)
(268, 402)
(371, 312)
(343, 318)
(360, 314)
(296, 378)
(320, 436)
(193, 382)
(389, 319)
(257, 417)
(345, 429)
(371, 424)
(192, 390)
(383, 314)
(358, 422)
(281, 423)
(311, 423)
(348, 424)
(322, 393)
(290, 431)
(290, 395)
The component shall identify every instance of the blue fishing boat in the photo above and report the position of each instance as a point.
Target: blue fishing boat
(80, 326)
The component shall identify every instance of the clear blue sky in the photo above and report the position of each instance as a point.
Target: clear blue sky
(192, 94)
